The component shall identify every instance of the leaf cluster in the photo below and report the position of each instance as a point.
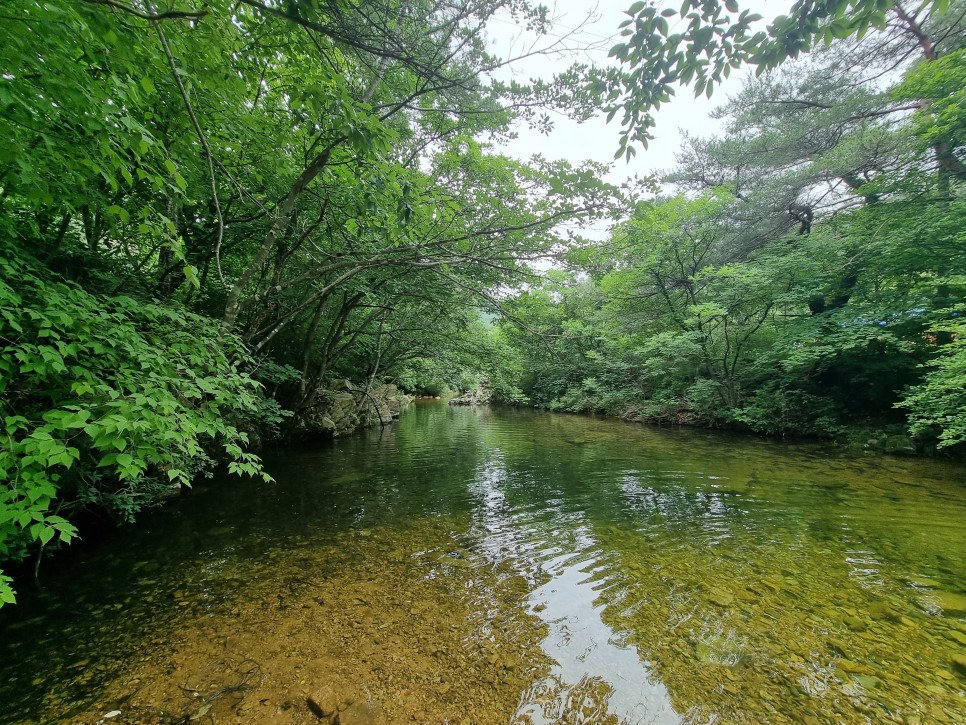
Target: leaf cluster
(106, 399)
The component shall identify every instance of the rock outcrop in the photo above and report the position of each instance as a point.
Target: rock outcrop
(478, 396)
(344, 407)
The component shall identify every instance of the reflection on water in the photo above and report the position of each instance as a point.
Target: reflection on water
(596, 674)
(478, 566)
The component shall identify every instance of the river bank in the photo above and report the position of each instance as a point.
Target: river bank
(883, 436)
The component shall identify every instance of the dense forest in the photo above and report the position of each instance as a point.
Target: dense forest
(211, 212)
(801, 273)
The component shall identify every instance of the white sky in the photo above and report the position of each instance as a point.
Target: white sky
(596, 139)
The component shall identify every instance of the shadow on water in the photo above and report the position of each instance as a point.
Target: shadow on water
(481, 566)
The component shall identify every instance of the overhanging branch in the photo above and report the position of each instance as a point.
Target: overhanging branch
(166, 15)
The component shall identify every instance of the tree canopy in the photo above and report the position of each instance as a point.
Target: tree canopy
(701, 43)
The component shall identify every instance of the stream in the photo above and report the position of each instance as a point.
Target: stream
(477, 565)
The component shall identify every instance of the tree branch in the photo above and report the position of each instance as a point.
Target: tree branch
(204, 143)
(166, 15)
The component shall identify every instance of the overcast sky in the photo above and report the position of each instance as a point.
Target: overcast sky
(596, 139)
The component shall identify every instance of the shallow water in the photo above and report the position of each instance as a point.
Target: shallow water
(485, 566)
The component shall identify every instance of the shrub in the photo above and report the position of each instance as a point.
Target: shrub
(937, 406)
(106, 401)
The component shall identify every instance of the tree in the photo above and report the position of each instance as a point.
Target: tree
(719, 37)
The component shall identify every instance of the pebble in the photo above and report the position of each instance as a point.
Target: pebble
(856, 624)
(953, 604)
(956, 636)
(720, 597)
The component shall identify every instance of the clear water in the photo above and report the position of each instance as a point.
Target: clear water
(489, 566)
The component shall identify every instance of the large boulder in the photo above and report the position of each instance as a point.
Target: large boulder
(481, 395)
(344, 407)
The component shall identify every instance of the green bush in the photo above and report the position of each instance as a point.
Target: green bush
(937, 406)
(775, 409)
(106, 401)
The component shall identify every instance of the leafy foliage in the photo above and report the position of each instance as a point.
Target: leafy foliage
(108, 401)
(937, 406)
(805, 275)
(657, 53)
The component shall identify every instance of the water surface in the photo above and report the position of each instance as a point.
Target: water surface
(488, 566)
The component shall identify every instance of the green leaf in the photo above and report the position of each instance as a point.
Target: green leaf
(191, 274)
(7, 595)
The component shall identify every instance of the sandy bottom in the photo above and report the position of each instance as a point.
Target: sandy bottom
(332, 635)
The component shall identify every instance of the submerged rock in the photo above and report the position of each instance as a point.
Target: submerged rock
(923, 582)
(952, 604)
(720, 597)
(856, 624)
(854, 668)
(883, 611)
(956, 636)
(867, 681)
(358, 713)
(323, 703)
